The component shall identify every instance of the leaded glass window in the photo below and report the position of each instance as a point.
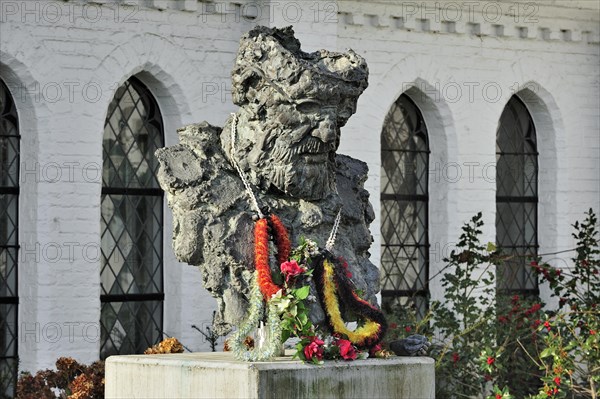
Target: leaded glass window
(516, 198)
(9, 241)
(404, 209)
(132, 223)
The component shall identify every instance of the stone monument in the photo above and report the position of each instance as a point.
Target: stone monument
(274, 164)
(292, 107)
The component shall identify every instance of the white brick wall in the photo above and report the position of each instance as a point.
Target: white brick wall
(445, 67)
(64, 61)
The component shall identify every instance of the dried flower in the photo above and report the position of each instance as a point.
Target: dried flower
(81, 387)
(169, 345)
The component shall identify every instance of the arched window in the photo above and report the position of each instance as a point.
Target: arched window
(404, 209)
(132, 223)
(516, 198)
(9, 240)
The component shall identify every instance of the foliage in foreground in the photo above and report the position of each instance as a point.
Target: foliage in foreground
(495, 346)
(73, 380)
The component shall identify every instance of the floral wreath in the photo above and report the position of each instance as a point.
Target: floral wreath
(286, 295)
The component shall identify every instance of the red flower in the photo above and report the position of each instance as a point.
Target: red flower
(375, 349)
(593, 332)
(503, 319)
(535, 307)
(407, 329)
(347, 351)
(291, 269)
(490, 360)
(536, 323)
(455, 357)
(515, 298)
(498, 396)
(393, 326)
(547, 325)
(314, 349)
(557, 380)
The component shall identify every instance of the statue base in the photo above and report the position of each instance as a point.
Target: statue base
(219, 375)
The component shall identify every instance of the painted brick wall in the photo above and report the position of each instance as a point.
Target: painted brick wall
(64, 60)
(463, 64)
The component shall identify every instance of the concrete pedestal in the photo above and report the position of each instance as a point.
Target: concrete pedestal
(218, 375)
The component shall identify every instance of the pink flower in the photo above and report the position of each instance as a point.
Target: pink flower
(347, 351)
(291, 269)
(314, 349)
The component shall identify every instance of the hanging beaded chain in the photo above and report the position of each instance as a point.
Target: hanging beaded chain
(334, 230)
(253, 200)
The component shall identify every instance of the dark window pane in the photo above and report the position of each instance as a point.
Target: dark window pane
(130, 327)
(404, 209)
(132, 223)
(516, 198)
(131, 244)
(132, 133)
(8, 271)
(9, 240)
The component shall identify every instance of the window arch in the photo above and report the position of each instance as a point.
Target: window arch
(131, 223)
(9, 239)
(404, 209)
(516, 198)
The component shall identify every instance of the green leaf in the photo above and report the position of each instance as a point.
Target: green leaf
(546, 353)
(491, 247)
(303, 318)
(293, 310)
(302, 293)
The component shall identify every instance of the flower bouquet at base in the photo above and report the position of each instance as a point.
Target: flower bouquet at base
(283, 299)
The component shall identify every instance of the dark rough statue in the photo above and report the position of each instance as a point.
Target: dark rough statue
(292, 106)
